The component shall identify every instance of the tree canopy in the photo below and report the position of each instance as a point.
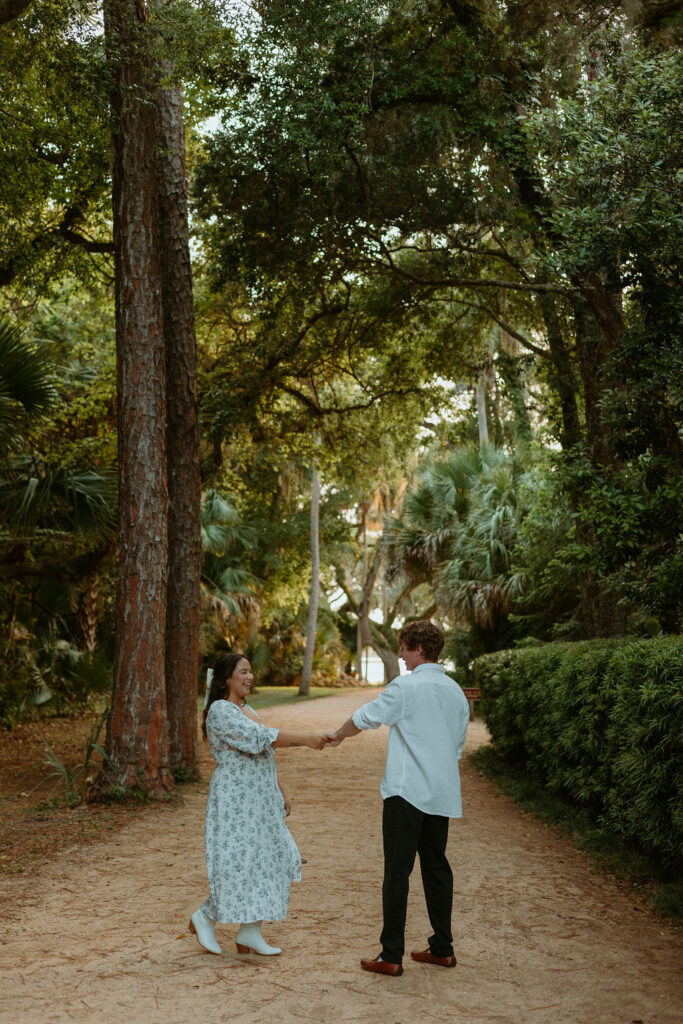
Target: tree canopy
(435, 259)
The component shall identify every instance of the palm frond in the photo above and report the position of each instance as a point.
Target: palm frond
(34, 497)
(27, 385)
(221, 526)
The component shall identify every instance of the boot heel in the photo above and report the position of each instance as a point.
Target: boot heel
(241, 948)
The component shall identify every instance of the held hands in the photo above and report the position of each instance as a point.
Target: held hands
(318, 741)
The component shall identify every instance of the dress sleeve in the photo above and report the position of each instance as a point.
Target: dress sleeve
(387, 709)
(238, 731)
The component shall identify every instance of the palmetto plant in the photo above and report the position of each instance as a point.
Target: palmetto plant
(475, 580)
(457, 532)
(50, 515)
(228, 589)
(36, 496)
(27, 388)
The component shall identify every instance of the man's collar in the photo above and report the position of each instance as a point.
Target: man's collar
(427, 664)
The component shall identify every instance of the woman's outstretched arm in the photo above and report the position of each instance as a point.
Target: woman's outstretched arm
(315, 740)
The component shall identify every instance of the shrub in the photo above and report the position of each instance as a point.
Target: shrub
(601, 724)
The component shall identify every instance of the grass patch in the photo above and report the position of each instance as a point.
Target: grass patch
(625, 862)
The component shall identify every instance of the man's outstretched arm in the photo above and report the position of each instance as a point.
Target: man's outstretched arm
(387, 709)
(333, 739)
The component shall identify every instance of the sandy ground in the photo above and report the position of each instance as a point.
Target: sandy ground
(100, 933)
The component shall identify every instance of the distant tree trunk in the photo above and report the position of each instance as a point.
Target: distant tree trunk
(564, 378)
(10, 9)
(600, 609)
(368, 634)
(389, 657)
(481, 414)
(88, 614)
(482, 388)
(182, 434)
(307, 672)
(359, 630)
(509, 367)
(137, 730)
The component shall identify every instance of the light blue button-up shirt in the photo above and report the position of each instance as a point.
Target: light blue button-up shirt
(427, 714)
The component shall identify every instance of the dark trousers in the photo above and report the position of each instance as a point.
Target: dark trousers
(407, 831)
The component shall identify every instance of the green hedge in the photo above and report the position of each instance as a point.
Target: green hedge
(601, 724)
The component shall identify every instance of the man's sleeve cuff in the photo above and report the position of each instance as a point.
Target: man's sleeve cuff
(360, 720)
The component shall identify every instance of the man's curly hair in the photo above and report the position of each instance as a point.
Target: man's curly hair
(424, 634)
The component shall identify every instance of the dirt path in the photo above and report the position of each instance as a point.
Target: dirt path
(100, 934)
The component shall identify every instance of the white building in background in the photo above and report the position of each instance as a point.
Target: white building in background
(373, 667)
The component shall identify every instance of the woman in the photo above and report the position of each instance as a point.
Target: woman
(251, 856)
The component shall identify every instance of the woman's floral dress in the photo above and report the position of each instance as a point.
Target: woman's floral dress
(251, 856)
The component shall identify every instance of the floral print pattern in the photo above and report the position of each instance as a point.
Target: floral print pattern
(251, 857)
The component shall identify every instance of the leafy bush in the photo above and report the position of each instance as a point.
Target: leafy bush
(54, 679)
(600, 723)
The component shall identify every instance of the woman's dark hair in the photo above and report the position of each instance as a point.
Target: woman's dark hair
(222, 670)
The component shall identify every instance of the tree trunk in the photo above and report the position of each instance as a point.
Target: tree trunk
(601, 612)
(593, 350)
(88, 614)
(182, 438)
(307, 672)
(564, 378)
(137, 730)
(388, 656)
(509, 368)
(359, 631)
(605, 305)
(366, 632)
(392, 669)
(481, 412)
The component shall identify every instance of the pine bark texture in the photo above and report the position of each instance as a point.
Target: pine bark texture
(307, 672)
(182, 432)
(137, 730)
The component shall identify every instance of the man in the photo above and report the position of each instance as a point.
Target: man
(427, 714)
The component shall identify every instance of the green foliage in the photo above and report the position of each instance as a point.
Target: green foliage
(599, 723)
(632, 515)
(401, 198)
(546, 610)
(57, 516)
(75, 781)
(49, 675)
(457, 531)
(27, 389)
(459, 156)
(54, 161)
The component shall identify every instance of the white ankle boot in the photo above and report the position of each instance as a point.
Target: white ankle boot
(249, 938)
(203, 928)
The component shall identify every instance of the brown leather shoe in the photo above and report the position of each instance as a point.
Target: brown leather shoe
(378, 966)
(426, 956)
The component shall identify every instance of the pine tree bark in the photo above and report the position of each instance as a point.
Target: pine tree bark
(305, 686)
(182, 434)
(137, 730)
